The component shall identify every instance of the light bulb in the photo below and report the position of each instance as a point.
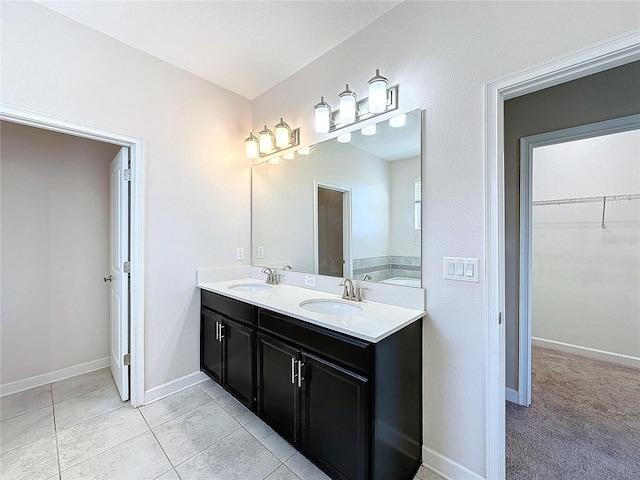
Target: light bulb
(399, 121)
(289, 156)
(347, 106)
(346, 138)
(304, 151)
(274, 160)
(251, 146)
(322, 116)
(266, 140)
(283, 134)
(378, 93)
(368, 131)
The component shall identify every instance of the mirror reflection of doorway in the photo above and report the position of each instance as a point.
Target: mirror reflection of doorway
(333, 227)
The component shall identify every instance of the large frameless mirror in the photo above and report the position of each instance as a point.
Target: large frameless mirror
(345, 209)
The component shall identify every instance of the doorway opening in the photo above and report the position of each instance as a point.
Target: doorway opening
(133, 321)
(611, 53)
(332, 230)
(603, 175)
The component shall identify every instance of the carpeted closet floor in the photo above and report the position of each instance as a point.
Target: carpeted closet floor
(583, 422)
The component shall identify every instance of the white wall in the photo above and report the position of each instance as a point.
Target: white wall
(586, 279)
(196, 175)
(441, 54)
(404, 239)
(288, 190)
(55, 251)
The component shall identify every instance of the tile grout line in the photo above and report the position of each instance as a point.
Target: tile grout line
(159, 444)
(55, 432)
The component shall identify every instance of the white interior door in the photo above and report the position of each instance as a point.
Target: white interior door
(119, 247)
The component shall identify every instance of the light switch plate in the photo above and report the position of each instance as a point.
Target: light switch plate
(260, 252)
(461, 269)
(309, 281)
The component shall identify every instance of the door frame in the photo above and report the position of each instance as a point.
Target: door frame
(346, 226)
(527, 145)
(605, 55)
(30, 118)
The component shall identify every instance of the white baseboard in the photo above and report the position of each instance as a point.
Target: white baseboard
(50, 377)
(445, 467)
(587, 352)
(511, 395)
(174, 386)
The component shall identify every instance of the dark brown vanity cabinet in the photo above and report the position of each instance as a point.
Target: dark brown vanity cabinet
(353, 407)
(227, 350)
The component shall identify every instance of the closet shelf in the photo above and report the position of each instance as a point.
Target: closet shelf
(603, 199)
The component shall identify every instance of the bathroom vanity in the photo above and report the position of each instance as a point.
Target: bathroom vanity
(344, 389)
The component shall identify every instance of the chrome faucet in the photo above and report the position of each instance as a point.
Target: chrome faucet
(367, 277)
(347, 293)
(350, 291)
(272, 277)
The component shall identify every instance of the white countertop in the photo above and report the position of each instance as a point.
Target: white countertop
(375, 322)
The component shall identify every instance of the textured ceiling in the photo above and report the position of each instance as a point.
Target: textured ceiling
(244, 46)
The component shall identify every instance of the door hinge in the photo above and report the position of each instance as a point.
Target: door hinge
(126, 267)
(127, 174)
(127, 359)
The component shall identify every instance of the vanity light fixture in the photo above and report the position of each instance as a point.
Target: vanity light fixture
(368, 131)
(344, 138)
(251, 146)
(304, 151)
(283, 134)
(382, 99)
(399, 121)
(267, 143)
(378, 93)
(322, 116)
(348, 106)
(289, 156)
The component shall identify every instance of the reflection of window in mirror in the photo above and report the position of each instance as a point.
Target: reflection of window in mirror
(417, 211)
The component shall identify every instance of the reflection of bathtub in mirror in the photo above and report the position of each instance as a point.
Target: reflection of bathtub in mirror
(405, 281)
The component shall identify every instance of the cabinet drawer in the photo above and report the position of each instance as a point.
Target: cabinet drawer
(240, 311)
(344, 349)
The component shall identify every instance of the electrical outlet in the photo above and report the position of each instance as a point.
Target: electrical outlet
(260, 252)
(309, 281)
(240, 253)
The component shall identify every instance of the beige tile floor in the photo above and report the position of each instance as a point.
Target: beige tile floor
(79, 429)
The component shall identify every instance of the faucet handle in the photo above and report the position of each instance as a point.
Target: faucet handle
(358, 293)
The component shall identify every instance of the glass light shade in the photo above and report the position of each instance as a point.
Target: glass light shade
(378, 93)
(274, 160)
(304, 151)
(266, 140)
(283, 134)
(322, 116)
(346, 138)
(289, 156)
(399, 121)
(251, 146)
(347, 106)
(368, 131)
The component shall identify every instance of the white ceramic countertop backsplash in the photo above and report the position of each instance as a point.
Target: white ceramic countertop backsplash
(375, 322)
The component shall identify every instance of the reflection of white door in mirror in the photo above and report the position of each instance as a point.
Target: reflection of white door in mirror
(332, 225)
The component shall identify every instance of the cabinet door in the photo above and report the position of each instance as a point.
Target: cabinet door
(278, 391)
(211, 347)
(238, 342)
(335, 419)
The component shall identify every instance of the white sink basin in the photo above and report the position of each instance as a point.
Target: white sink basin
(250, 287)
(330, 307)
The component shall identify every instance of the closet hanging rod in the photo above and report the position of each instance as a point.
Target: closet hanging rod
(605, 198)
